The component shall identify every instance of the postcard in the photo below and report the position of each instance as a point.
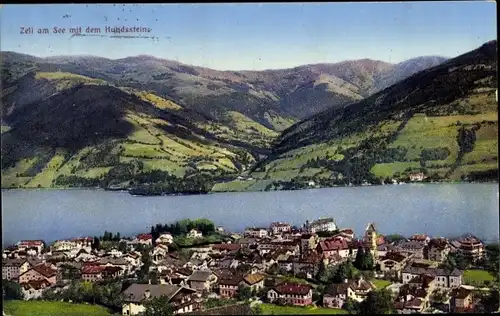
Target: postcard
(249, 159)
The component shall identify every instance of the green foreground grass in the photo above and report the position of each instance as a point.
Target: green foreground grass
(46, 308)
(477, 277)
(270, 309)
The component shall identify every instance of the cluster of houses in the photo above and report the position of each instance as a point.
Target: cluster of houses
(258, 259)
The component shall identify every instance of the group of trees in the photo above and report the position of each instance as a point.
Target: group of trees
(336, 274)
(364, 259)
(183, 227)
(106, 293)
(11, 290)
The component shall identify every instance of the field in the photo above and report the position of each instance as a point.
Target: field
(45, 308)
(380, 284)
(477, 277)
(270, 309)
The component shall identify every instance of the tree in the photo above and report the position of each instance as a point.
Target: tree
(11, 290)
(364, 259)
(122, 246)
(96, 244)
(257, 310)
(377, 302)
(351, 306)
(158, 306)
(243, 293)
(343, 272)
(393, 238)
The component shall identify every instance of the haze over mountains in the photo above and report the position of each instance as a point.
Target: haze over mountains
(88, 121)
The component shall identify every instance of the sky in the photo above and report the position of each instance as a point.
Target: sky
(256, 36)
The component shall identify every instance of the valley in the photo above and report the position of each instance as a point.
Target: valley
(95, 122)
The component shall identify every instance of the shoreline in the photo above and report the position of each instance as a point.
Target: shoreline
(242, 191)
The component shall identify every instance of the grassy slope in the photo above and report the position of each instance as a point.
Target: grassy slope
(156, 148)
(44, 308)
(422, 131)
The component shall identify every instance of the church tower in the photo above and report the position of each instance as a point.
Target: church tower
(371, 238)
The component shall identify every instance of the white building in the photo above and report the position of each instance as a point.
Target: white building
(165, 238)
(280, 227)
(194, 233)
(256, 232)
(321, 225)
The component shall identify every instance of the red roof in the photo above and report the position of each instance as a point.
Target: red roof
(293, 289)
(419, 237)
(45, 270)
(347, 231)
(144, 236)
(333, 244)
(31, 243)
(228, 247)
(92, 269)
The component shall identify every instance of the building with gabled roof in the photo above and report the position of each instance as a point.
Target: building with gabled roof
(291, 293)
(134, 297)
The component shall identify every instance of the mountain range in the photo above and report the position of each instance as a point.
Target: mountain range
(86, 121)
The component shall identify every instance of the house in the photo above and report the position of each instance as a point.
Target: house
(38, 273)
(115, 262)
(444, 278)
(347, 233)
(115, 253)
(307, 266)
(422, 238)
(34, 289)
(111, 272)
(180, 298)
(92, 273)
(308, 242)
(159, 252)
(165, 238)
(417, 176)
(202, 280)
(291, 293)
(321, 225)
(255, 281)
(462, 300)
(393, 262)
(280, 228)
(328, 247)
(84, 255)
(256, 232)
(383, 249)
(75, 243)
(411, 300)
(336, 294)
(194, 233)
(225, 248)
(228, 286)
(411, 247)
(471, 247)
(23, 245)
(143, 239)
(437, 250)
(12, 268)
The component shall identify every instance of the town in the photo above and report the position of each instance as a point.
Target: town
(195, 267)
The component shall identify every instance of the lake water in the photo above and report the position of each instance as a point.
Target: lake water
(437, 209)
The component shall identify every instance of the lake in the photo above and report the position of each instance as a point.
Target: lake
(446, 210)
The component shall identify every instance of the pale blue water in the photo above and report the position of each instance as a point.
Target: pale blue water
(438, 209)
